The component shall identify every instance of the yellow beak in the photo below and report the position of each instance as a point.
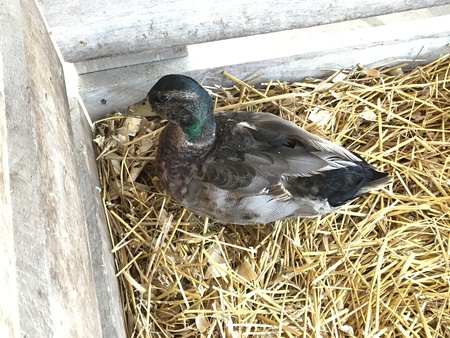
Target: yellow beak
(141, 108)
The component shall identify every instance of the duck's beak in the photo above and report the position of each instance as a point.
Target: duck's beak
(141, 108)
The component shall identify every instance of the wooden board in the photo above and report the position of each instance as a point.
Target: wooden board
(419, 35)
(86, 30)
(9, 307)
(130, 59)
(104, 269)
(51, 280)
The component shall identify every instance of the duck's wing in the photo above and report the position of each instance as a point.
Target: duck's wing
(279, 132)
(257, 152)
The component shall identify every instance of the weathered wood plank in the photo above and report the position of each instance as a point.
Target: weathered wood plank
(86, 30)
(106, 284)
(314, 51)
(55, 294)
(131, 59)
(9, 307)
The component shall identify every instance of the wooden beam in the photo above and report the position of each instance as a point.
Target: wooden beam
(125, 60)
(9, 306)
(99, 240)
(86, 30)
(419, 35)
(46, 264)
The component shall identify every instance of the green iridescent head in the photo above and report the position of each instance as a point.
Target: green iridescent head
(181, 100)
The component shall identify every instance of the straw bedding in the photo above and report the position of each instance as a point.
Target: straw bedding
(379, 267)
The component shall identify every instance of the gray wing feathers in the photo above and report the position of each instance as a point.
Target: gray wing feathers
(265, 160)
(263, 120)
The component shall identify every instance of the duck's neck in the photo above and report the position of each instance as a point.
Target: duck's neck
(202, 131)
(177, 157)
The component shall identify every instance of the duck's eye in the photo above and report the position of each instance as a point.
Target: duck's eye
(163, 98)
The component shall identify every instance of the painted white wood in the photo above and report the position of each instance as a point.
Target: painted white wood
(86, 30)
(288, 56)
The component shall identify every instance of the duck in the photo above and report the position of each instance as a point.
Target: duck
(246, 167)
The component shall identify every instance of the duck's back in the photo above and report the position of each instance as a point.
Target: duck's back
(262, 168)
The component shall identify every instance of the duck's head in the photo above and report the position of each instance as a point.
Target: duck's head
(181, 100)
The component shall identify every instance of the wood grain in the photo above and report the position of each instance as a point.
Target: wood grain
(50, 276)
(86, 30)
(419, 35)
(9, 307)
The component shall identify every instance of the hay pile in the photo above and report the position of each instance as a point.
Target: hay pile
(377, 268)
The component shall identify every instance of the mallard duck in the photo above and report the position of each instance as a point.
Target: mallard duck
(247, 167)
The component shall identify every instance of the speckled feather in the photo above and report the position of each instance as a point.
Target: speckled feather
(246, 167)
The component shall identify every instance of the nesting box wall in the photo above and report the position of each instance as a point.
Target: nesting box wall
(9, 323)
(88, 30)
(49, 287)
(120, 51)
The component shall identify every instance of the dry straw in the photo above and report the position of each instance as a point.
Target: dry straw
(377, 268)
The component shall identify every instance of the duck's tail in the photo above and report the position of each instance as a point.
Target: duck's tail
(378, 181)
